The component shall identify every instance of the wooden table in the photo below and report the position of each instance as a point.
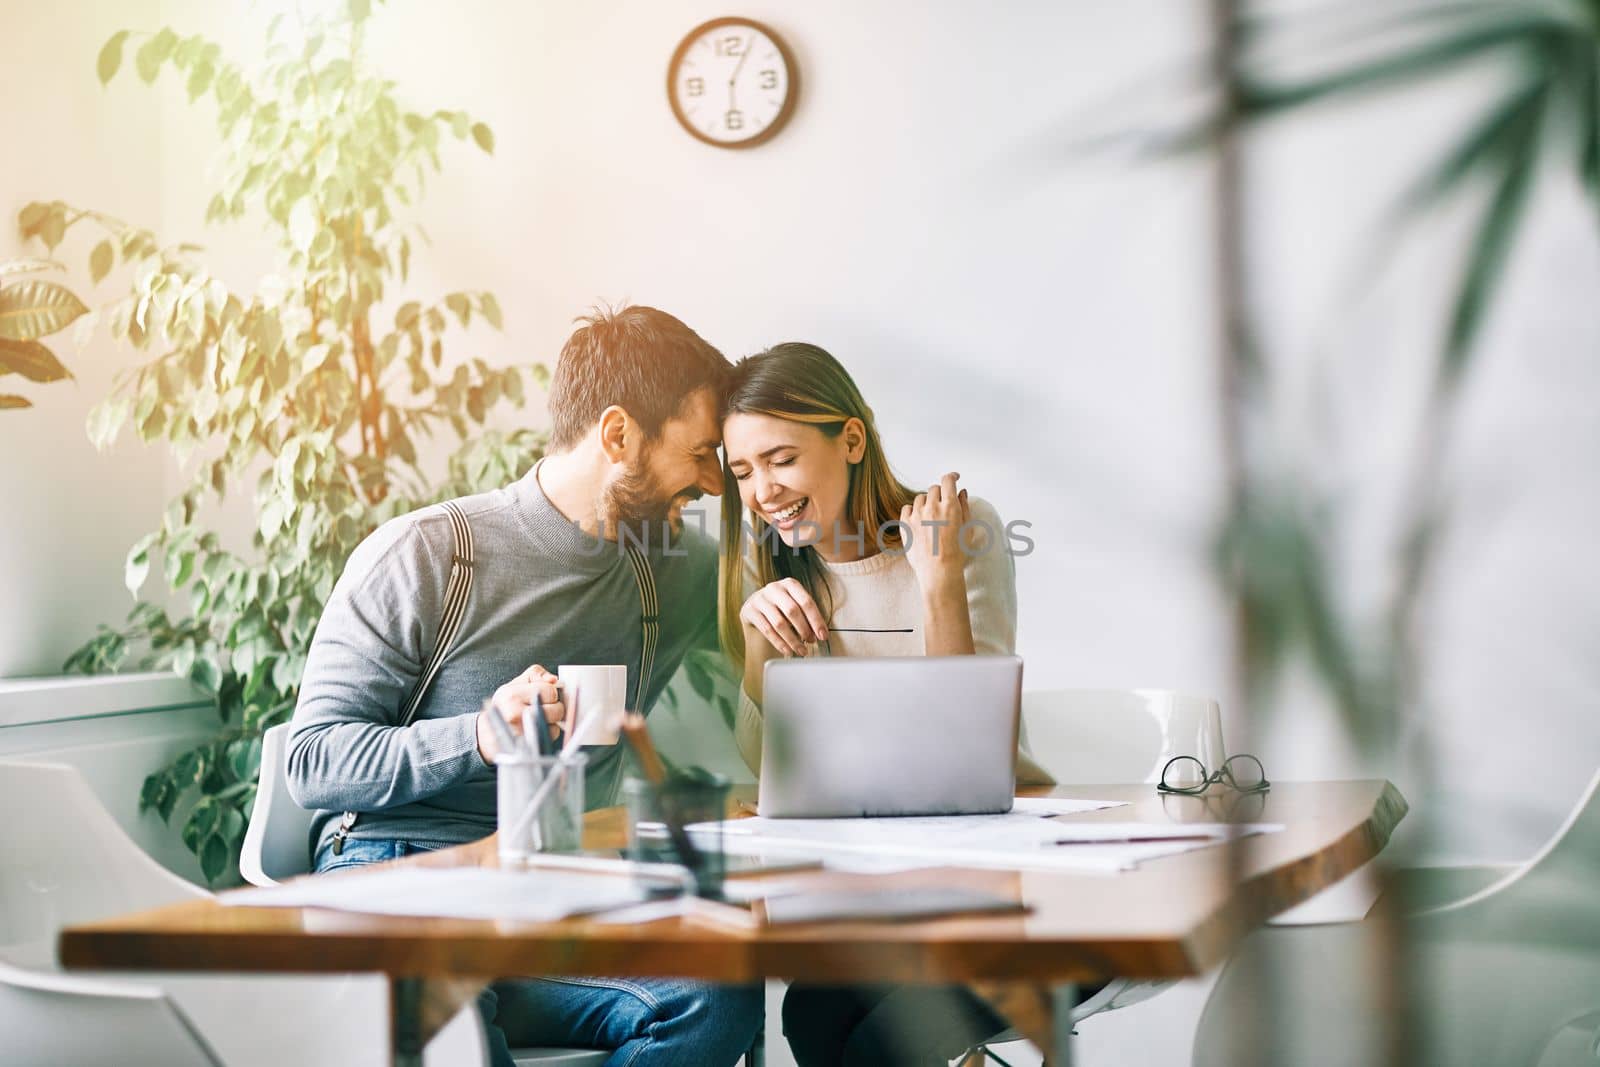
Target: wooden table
(1170, 918)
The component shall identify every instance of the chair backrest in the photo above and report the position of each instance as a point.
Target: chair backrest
(65, 858)
(1574, 850)
(53, 1019)
(1329, 995)
(1110, 736)
(277, 843)
(1560, 875)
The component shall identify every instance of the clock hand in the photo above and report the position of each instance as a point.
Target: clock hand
(737, 67)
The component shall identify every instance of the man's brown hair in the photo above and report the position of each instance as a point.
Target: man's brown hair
(639, 358)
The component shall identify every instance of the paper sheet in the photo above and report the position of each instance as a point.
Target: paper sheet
(453, 893)
(1060, 805)
(1021, 839)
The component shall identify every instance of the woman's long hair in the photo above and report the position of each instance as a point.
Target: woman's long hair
(801, 383)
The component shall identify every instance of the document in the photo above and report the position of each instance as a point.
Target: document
(1060, 805)
(1117, 833)
(888, 905)
(451, 893)
(1017, 840)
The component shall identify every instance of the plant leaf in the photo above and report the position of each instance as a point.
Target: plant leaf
(491, 310)
(1498, 132)
(213, 857)
(137, 567)
(153, 53)
(11, 401)
(199, 80)
(484, 136)
(100, 261)
(206, 672)
(32, 360)
(34, 309)
(1410, 65)
(110, 57)
(1496, 234)
(31, 264)
(105, 420)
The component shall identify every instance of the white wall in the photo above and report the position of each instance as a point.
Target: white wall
(1037, 321)
(69, 513)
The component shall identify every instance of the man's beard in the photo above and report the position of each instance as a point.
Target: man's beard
(635, 503)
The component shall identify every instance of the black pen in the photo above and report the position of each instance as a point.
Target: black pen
(542, 729)
(1151, 840)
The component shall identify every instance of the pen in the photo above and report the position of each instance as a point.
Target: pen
(503, 737)
(1154, 839)
(866, 630)
(541, 729)
(566, 759)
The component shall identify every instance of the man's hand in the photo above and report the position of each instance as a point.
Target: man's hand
(513, 701)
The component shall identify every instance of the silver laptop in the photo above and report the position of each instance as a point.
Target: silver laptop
(915, 735)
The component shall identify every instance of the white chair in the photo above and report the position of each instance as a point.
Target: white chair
(1508, 974)
(76, 1022)
(1115, 736)
(277, 845)
(277, 840)
(67, 861)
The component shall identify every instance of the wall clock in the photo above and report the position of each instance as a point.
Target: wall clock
(732, 83)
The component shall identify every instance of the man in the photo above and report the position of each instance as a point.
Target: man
(634, 407)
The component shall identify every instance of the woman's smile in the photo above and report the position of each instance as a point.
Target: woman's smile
(784, 518)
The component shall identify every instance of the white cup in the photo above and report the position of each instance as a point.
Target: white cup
(600, 690)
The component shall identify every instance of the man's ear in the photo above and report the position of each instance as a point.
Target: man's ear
(615, 429)
(855, 440)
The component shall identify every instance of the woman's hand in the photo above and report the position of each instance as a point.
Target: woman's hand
(933, 521)
(785, 615)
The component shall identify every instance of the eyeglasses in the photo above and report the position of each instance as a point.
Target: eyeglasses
(1219, 805)
(1188, 776)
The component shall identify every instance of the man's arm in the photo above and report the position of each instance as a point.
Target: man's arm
(347, 750)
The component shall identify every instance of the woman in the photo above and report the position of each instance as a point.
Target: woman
(844, 559)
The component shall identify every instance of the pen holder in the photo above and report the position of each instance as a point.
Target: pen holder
(558, 824)
(691, 797)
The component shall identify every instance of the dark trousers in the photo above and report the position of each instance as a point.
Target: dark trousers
(884, 1025)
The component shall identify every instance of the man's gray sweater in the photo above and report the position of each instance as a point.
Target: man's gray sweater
(543, 591)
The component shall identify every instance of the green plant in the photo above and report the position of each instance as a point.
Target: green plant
(299, 390)
(1545, 115)
(28, 311)
(711, 677)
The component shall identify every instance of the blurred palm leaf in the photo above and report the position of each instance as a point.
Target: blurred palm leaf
(1275, 544)
(1547, 114)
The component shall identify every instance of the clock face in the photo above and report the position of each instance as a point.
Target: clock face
(732, 83)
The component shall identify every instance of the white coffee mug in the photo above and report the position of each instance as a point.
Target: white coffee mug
(600, 690)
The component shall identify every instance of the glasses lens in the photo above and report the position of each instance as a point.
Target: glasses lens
(1244, 771)
(1184, 772)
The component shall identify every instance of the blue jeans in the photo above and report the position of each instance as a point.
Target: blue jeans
(647, 1022)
